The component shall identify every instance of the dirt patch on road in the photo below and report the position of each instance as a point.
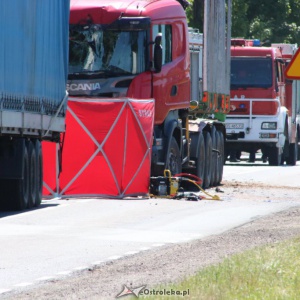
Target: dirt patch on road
(174, 262)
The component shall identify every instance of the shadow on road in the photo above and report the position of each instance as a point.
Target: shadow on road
(7, 213)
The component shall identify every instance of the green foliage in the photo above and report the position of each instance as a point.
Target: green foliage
(189, 13)
(274, 20)
(195, 14)
(239, 26)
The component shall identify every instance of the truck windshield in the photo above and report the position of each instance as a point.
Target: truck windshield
(95, 51)
(251, 72)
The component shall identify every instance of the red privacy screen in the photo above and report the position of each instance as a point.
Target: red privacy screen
(106, 150)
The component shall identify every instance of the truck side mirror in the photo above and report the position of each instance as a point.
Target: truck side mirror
(157, 53)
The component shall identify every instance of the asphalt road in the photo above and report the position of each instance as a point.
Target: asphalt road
(260, 172)
(64, 236)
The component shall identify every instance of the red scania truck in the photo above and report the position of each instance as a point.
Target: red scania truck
(264, 104)
(144, 49)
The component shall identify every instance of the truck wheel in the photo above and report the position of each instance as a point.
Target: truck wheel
(32, 174)
(22, 186)
(173, 162)
(208, 159)
(293, 153)
(275, 159)
(39, 172)
(214, 165)
(220, 160)
(200, 160)
(292, 158)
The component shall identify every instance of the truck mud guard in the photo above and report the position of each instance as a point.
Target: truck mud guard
(64, 101)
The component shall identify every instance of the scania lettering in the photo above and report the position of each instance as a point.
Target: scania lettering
(83, 87)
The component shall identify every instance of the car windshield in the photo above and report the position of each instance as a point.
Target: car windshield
(251, 72)
(94, 50)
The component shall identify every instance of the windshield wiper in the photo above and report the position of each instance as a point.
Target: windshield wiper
(116, 69)
(97, 74)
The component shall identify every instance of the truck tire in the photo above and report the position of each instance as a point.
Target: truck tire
(292, 153)
(32, 174)
(208, 159)
(39, 173)
(173, 162)
(21, 195)
(220, 160)
(198, 157)
(214, 165)
(275, 159)
(200, 160)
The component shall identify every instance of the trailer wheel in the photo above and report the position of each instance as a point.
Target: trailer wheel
(39, 173)
(214, 165)
(208, 159)
(22, 186)
(200, 160)
(220, 160)
(32, 174)
(173, 162)
(275, 156)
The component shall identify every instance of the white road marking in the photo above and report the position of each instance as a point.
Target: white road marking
(157, 245)
(145, 248)
(131, 252)
(99, 262)
(45, 278)
(64, 273)
(114, 257)
(23, 284)
(81, 268)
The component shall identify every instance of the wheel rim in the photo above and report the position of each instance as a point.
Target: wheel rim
(173, 158)
(173, 162)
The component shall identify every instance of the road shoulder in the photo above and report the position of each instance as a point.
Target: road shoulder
(167, 264)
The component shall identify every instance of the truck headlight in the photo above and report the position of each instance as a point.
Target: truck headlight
(269, 125)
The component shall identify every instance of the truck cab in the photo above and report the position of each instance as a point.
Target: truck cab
(135, 49)
(112, 52)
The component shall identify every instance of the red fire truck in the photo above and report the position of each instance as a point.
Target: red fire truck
(142, 50)
(264, 104)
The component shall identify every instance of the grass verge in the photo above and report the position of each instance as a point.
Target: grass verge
(270, 272)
